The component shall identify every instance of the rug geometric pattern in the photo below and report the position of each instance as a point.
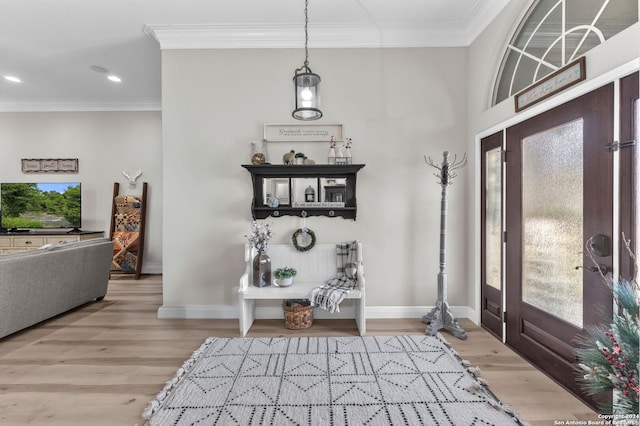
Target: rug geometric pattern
(390, 380)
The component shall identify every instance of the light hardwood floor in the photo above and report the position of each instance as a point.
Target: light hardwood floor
(102, 363)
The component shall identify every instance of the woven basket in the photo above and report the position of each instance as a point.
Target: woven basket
(297, 317)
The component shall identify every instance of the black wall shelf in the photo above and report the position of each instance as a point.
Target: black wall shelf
(261, 208)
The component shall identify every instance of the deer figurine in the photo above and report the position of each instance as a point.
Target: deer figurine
(132, 180)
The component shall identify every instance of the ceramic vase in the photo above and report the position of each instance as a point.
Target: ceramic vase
(332, 156)
(261, 270)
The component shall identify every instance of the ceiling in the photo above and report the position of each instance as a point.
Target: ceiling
(63, 50)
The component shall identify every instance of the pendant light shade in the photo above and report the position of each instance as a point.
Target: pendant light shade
(307, 100)
(306, 83)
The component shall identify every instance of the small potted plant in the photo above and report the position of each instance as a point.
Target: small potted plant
(285, 276)
(299, 157)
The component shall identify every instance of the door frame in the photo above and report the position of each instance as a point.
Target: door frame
(492, 317)
(613, 76)
(573, 92)
(629, 92)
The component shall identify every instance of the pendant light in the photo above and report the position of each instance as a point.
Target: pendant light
(306, 83)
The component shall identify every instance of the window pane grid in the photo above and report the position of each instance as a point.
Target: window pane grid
(556, 32)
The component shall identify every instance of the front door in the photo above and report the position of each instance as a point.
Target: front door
(559, 201)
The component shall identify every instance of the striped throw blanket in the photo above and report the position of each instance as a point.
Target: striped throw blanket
(332, 293)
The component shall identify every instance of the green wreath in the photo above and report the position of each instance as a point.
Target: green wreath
(294, 240)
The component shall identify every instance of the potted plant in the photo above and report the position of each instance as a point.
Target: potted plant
(300, 157)
(285, 276)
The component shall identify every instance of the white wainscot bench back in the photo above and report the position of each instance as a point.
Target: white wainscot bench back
(314, 267)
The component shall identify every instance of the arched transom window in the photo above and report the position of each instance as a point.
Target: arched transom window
(555, 32)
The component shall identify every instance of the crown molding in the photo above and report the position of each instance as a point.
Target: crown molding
(346, 35)
(481, 16)
(247, 36)
(79, 106)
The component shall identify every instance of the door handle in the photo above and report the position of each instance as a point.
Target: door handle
(600, 245)
(603, 269)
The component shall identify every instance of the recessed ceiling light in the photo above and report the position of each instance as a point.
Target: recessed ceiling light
(98, 68)
(114, 78)
(12, 79)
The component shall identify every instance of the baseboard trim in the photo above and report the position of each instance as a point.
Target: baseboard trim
(152, 268)
(275, 312)
(381, 312)
(198, 312)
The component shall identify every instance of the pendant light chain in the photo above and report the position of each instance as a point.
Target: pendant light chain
(306, 82)
(306, 33)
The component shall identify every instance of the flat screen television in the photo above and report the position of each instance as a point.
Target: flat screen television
(40, 205)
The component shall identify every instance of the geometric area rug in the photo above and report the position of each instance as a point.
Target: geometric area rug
(373, 380)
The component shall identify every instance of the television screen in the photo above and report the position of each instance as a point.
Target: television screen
(40, 205)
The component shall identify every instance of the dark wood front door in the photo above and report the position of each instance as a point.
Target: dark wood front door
(559, 197)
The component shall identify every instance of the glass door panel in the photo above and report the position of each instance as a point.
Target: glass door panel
(552, 200)
(493, 218)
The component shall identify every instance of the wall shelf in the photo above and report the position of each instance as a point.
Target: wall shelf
(334, 189)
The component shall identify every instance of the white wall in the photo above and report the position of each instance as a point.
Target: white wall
(105, 144)
(396, 104)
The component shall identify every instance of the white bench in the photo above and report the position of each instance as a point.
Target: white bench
(314, 268)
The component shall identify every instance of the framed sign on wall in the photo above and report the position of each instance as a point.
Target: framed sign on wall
(563, 78)
(302, 132)
(49, 165)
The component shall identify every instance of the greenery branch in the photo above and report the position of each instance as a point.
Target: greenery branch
(286, 272)
(609, 354)
(260, 236)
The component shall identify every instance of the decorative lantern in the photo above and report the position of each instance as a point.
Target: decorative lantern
(309, 194)
(306, 83)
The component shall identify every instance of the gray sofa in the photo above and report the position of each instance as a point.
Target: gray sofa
(40, 284)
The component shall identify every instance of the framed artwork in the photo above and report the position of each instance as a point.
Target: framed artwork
(30, 166)
(565, 77)
(49, 165)
(68, 165)
(302, 132)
